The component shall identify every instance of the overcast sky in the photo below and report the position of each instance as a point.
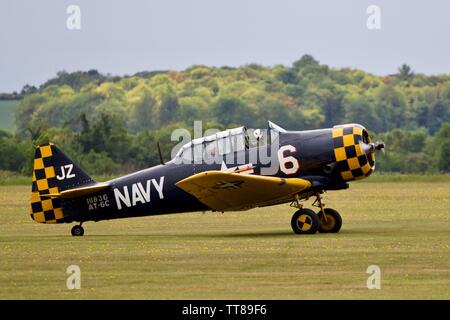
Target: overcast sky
(124, 37)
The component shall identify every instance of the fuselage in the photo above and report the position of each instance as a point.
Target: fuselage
(327, 157)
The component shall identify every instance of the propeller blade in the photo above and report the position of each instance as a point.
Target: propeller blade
(379, 145)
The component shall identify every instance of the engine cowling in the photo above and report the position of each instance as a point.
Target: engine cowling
(354, 151)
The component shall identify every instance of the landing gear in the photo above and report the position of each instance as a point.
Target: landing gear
(330, 222)
(330, 219)
(77, 231)
(306, 221)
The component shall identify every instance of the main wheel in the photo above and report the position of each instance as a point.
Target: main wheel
(305, 221)
(77, 231)
(333, 222)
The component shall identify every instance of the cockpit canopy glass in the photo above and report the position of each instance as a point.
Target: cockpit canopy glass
(213, 146)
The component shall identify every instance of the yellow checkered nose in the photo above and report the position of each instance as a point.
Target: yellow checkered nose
(353, 162)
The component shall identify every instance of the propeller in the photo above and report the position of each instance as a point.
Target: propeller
(372, 147)
(379, 145)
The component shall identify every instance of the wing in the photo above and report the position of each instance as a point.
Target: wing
(224, 191)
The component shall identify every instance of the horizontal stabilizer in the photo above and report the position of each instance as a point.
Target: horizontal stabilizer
(79, 192)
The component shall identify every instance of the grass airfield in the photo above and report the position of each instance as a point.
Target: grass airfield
(403, 227)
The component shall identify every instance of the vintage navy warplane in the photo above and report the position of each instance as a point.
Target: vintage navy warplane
(218, 172)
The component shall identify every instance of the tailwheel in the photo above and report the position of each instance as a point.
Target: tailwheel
(305, 221)
(331, 222)
(77, 231)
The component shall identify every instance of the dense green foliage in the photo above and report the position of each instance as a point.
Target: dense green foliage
(7, 108)
(111, 124)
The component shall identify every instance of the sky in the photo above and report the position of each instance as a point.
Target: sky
(125, 37)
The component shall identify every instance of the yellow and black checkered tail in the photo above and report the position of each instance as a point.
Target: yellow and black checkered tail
(53, 172)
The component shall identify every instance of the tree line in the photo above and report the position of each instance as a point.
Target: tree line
(110, 124)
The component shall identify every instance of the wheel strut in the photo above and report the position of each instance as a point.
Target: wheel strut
(296, 202)
(318, 203)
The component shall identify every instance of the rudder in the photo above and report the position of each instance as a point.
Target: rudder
(53, 172)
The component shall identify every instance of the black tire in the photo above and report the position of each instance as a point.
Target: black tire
(334, 221)
(77, 231)
(305, 221)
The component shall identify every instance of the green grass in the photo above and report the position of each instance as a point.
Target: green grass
(399, 177)
(402, 227)
(7, 109)
(8, 178)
